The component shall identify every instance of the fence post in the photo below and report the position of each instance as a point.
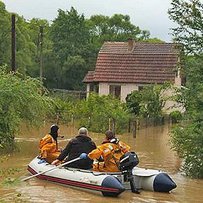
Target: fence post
(129, 125)
(114, 126)
(134, 130)
(109, 123)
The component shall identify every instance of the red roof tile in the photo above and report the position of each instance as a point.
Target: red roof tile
(146, 63)
(89, 77)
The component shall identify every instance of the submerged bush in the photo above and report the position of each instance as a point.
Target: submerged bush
(100, 113)
(176, 116)
(188, 142)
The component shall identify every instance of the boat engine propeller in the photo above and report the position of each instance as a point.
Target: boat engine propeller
(127, 162)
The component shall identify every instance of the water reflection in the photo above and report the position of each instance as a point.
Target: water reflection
(151, 144)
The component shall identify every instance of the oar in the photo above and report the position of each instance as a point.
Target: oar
(51, 169)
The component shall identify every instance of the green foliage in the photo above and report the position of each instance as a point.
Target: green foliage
(25, 48)
(188, 15)
(115, 28)
(34, 33)
(153, 40)
(176, 116)
(22, 99)
(69, 34)
(71, 45)
(73, 72)
(153, 101)
(96, 111)
(10, 181)
(148, 102)
(188, 139)
(7, 174)
(4, 35)
(65, 109)
(133, 102)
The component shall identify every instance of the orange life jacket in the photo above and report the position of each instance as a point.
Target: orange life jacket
(48, 148)
(111, 153)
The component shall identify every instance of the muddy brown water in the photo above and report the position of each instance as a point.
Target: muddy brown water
(154, 151)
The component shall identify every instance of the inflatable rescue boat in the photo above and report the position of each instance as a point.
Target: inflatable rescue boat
(109, 184)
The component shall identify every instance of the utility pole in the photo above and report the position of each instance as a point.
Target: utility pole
(41, 51)
(13, 43)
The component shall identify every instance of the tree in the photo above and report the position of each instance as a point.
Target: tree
(133, 102)
(4, 35)
(187, 138)
(25, 48)
(70, 37)
(69, 34)
(97, 111)
(188, 14)
(22, 99)
(115, 28)
(73, 72)
(33, 27)
(149, 102)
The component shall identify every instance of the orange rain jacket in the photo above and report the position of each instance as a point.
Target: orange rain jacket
(48, 148)
(111, 153)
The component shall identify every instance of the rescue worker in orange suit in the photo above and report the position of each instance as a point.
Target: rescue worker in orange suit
(49, 146)
(109, 152)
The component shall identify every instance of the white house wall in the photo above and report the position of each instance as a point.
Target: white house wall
(127, 89)
(88, 90)
(171, 105)
(103, 89)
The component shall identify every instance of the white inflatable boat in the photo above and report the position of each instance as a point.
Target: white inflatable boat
(109, 184)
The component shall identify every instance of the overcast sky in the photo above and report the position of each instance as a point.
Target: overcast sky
(149, 15)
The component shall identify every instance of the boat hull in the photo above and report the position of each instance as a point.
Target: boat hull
(149, 179)
(109, 184)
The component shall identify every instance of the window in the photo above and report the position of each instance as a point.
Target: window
(94, 87)
(115, 91)
(91, 87)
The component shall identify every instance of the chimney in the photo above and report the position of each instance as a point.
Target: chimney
(131, 44)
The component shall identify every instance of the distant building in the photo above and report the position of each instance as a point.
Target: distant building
(123, 67)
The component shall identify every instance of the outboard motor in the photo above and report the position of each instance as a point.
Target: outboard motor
(127, 162)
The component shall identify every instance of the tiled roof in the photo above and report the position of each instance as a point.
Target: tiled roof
(146, 63)
(89, 77)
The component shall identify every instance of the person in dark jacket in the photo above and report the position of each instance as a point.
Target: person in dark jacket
(82, 143)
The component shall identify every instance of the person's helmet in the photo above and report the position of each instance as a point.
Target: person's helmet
(54, 131)
(54, 128)
(83, 131)
(109, 135)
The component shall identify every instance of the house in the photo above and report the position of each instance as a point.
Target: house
(123, 67)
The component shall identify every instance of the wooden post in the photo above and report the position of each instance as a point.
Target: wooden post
(114, 126)
(134, 130)
(129, 125)
(109, 123)
(13, 43)
(57, 118)
(72, 120)
(41, 51)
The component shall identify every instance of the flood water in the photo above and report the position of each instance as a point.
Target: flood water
(151, 145)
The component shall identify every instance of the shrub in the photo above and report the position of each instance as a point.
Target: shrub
(176, 116)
